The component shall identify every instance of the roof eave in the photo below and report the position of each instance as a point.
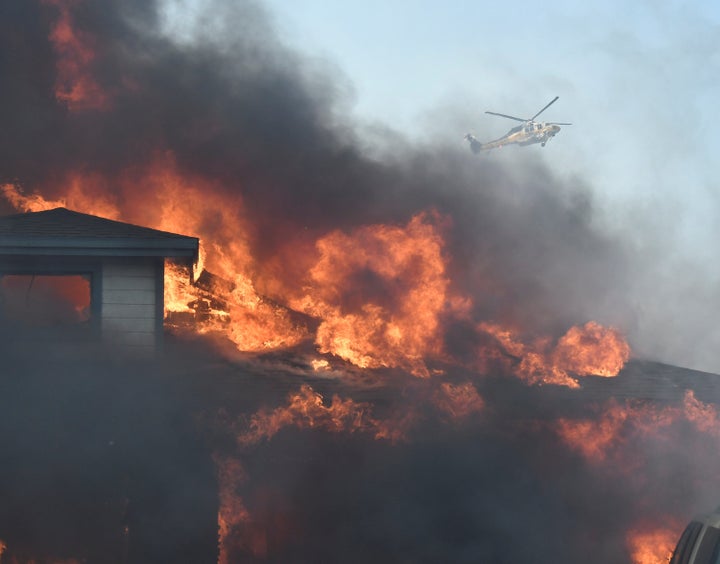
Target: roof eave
(91, 246)
(98, 251)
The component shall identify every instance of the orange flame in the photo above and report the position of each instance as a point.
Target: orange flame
(14, 560)
(403, 269)
(33, 202)
(595, 438)
(704, 416)
(459, 401)
(380, 292)
(81, 193)
(233, 516)
(75, 85)
(194, 206)
(583, 351)
(591, 350)
(46, 299)
(320, 364)
(306, 409)
(651, 545)
(591, 438)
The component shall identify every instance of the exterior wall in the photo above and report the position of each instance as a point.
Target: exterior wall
(126, 301)
(132, 303)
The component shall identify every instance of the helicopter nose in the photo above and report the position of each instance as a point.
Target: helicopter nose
(554, 129)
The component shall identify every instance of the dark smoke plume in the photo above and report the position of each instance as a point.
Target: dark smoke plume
(102, 460)
(264, 123)
(237, 106)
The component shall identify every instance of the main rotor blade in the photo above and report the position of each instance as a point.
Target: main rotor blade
(506, 116)
(545, 108)
(557, 123)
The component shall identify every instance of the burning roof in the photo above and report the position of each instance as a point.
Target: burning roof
(61, 231)
(391, 352)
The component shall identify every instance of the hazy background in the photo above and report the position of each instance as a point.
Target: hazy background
(639, 82)
(325, 117)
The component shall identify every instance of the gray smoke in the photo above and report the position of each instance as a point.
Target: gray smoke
(237, 106)
(262, 121)
(102, 460)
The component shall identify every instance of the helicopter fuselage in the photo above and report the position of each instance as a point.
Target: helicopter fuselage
(528, 133)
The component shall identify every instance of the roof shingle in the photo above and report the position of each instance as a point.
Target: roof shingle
(62, 231)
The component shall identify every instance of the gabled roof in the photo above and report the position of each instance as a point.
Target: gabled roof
(64, 232)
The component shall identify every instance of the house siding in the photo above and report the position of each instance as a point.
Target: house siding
(130, 303)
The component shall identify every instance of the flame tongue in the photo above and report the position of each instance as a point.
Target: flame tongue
(591, 350)
(380, 292)
(379, 295)
(75, 85)
(306, 409)
(652, 545)
(582, 351)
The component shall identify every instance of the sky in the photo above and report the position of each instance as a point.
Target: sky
(244, 142)
(638, 81)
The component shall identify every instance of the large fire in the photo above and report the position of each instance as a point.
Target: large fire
(376, 294)
(192, 207)
(380, 293)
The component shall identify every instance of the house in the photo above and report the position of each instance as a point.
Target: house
(70, 275)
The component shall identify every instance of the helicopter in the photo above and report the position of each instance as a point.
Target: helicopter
(528, 133)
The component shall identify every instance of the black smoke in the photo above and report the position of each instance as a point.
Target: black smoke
(112, 460)
(237, 106)
(102, 460)
(498, 486)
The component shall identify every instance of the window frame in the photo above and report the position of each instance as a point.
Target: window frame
(88, 267)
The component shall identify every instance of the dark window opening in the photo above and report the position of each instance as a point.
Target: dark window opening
(45, 300)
